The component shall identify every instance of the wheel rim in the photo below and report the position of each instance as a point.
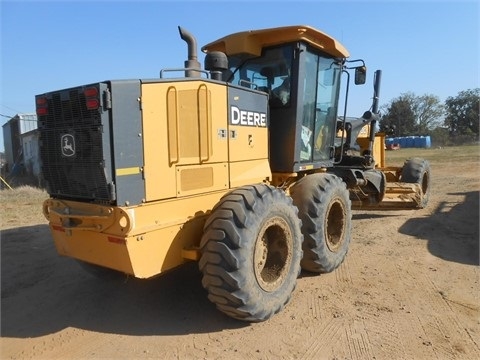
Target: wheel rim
(273, 254)
(335, 226)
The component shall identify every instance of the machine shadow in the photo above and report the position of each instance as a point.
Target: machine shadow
(370, 215)
(452, 232)
(43, 293)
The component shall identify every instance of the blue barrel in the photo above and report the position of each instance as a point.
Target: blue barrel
(419, 142)
(423, 142)
(410, 141)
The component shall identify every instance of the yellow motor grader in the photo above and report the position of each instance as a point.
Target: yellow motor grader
(245, 165)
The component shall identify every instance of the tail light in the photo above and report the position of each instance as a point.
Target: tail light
(93, 104)
(41, 103)
(92, 98)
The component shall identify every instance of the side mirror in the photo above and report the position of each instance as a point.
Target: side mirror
(360, 75)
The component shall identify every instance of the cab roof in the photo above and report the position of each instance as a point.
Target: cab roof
(253, 41)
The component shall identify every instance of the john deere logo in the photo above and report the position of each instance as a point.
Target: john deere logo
(68, 145)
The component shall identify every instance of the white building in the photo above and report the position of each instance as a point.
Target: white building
(20, 137)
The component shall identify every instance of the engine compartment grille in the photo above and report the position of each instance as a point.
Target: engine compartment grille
(71, 148)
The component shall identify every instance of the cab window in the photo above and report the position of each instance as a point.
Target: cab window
(269, 72)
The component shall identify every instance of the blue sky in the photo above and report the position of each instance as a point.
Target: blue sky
(424, 47)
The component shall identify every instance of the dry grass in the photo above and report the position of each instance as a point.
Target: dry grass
(436, 156)
(22, 206)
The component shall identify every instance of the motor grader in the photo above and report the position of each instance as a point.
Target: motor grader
(247, 166)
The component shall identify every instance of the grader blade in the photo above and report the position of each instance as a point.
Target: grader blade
(398, 196)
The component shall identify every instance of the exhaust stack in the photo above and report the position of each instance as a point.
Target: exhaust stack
(192, 64)
(375, 116)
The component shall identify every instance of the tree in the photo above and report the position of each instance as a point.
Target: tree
(440, 136)
(412, 115)
(399, 118)
(463, 116)
(429, 113)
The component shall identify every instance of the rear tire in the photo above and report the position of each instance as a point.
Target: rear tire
(417, 171)
(325, 210)
(251, 251)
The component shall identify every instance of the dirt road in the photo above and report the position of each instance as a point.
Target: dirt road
(409, 289)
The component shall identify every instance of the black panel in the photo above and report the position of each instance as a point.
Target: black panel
(71, 146)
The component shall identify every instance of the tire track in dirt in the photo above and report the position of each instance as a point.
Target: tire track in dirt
(355, 334)
(372, 281)
(381, 325)
(358, 341)
(445, 332)
(321, 341)
(343, 273)
(314, 303)
(335, 325)
(393, 330)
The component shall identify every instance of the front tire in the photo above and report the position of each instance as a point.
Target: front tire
(251, 251)
(417, 171)
(325, 210)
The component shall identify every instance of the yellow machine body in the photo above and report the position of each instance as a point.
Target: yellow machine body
(189, 165)
(192, 156)
(161, 179)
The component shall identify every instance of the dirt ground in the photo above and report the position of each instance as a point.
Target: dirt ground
(408, 289)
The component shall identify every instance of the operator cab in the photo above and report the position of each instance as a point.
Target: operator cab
(300, 69)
